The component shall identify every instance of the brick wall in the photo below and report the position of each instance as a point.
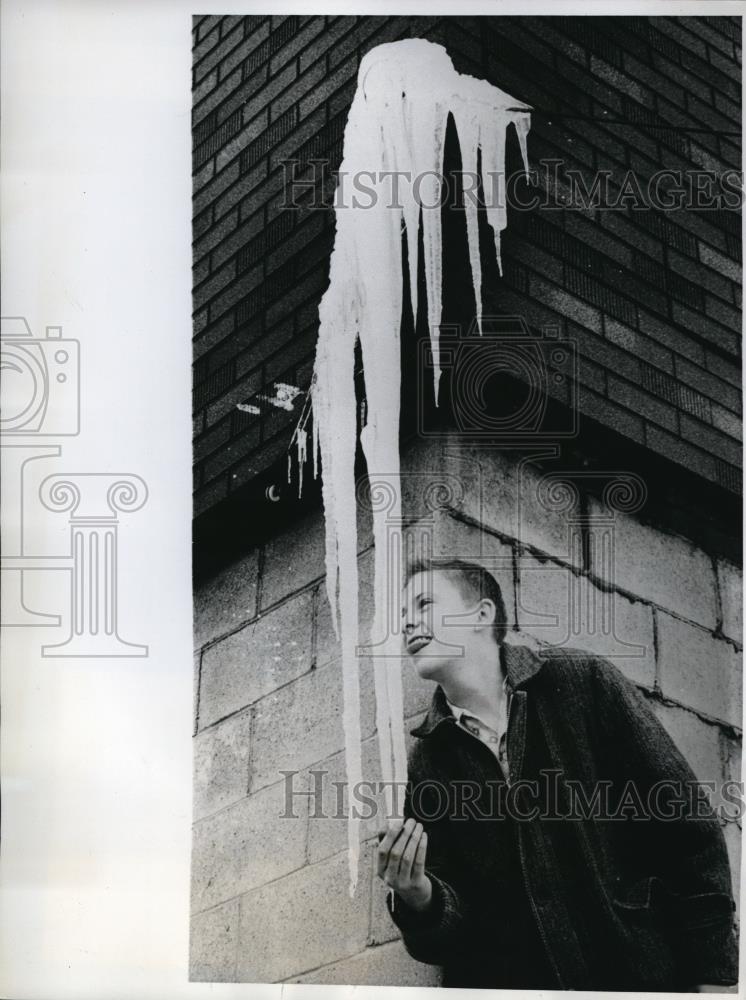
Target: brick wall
(650, 301)
(651, 298)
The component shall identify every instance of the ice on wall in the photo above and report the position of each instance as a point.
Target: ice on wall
(397, 122)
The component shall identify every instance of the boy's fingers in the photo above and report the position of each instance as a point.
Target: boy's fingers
(387, 838)
(407, 860)
(418, 868)
(392, 861)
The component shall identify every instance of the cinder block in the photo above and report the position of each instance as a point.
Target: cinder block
(256, 660)
(302, 723)
(699, 671)
(730, 584)
(303, 921)
(245, 845)
(559, 607)
(491, 487)
(328, 646)
(293, 559)
(382, 927)
(221, 764)
(733, 837)
(698, 741)
(212, 944)
(389, 965)
(665, 569)
(447, 537)
(195, 691)
(225, 601)
(327, 813)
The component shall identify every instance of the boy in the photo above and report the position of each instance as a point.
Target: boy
(493, 877)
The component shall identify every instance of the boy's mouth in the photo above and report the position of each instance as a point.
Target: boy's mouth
(417, 642)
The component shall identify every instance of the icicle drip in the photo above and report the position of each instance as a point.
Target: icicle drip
(301, 436)
(397, 122)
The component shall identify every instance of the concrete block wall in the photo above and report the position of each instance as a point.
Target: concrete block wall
(269, 894)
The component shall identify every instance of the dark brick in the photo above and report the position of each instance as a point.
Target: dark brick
(617, 223)
(710, 440)
(217, 97)
(601, 295)
(642, 403)
(724, 368)
(215, 188)
(672, 447)
(200, 92)
(205, 444)
(238, 291)
(274, 340)
(604, 353)
(296, 43)
(681, 396)
(686, 79)
(704, 31)
(610, 414)
(241, 52)
(299, 92)
(219, 52)
(209, 36)
(675, 340)
(727, 422)
(214, 334)
(221, 229)
(564, 303)
(672, 28)
(232, 452)
(638, 344)
(312, 285)
(335, 29)
(239, 392)
(723, 314)
(258, 461)
(203, 292)
(709, 384)
(706, 328)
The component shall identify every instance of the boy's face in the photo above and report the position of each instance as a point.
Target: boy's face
(438, 623)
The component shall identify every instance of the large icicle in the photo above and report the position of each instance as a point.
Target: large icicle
(397, 122)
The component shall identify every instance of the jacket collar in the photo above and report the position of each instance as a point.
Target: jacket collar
(519, 663)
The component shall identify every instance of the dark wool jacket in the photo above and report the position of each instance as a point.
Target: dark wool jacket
(625, 903)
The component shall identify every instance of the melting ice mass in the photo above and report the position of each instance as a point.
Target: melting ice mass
(397, 122)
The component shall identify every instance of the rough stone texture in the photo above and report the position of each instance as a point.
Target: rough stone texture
(388, 965)
(699, 671)
(494, 487)
(327, 646)
(732, 835)
(382, 927)
(302, 723)
(327, 825)
(285, 926)
(293, 559)
(563, 609)
(697, 740)
(662, 568)
(221, 764)
(256, 660)
(226, 601)
(246, 845)
(213, 941)
(730, 584)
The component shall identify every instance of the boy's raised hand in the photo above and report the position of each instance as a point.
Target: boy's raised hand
(401, 862)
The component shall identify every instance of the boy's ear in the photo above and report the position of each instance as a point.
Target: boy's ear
(486, 611)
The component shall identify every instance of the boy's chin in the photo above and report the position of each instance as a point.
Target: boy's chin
(431, 668)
